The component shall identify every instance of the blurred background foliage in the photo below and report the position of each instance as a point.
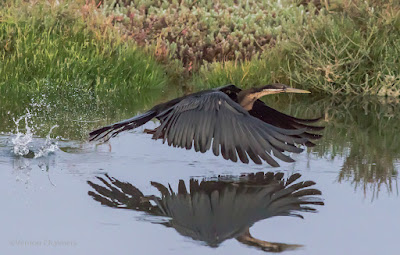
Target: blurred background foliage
(331, 47)
(335, 47)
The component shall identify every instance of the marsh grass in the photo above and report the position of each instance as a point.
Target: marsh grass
(49, 46)
(353, 49)
(245, 74)
(350, 47)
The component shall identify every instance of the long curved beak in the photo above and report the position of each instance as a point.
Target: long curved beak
(293, 90)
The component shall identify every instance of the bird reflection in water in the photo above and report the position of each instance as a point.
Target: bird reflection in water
(215, 210)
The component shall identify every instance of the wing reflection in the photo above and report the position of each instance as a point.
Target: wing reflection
(218, 209)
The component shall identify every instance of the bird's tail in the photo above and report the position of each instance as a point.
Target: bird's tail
(114, 129)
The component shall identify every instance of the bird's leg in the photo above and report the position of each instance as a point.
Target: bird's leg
(149, 131)
(147, 199)
(248, 239)
(153, 132)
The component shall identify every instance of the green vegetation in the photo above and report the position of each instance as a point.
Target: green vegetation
(200, 32)
(354, 50)
(334, 47)
(50, 48)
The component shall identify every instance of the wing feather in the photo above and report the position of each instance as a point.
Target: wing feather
(179, 137)
(239, 144)
(213, 120)
(265, 151)
(174, 119)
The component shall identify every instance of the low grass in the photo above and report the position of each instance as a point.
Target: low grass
(48, 46)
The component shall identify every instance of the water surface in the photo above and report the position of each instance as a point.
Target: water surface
(48, 173)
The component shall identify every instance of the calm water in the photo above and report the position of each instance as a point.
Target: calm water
(49, 207)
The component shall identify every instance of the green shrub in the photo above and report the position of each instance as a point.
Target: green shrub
(200, 32)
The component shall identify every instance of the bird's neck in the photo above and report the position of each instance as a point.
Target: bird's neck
(246, 101)
(248, 239)
(246, 98)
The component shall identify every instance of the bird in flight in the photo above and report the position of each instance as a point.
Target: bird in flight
(230, 121)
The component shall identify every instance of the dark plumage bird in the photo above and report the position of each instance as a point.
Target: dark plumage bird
(229, 121)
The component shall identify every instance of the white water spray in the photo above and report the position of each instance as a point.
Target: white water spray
(49, 146)
(23, 144)
(22, 140)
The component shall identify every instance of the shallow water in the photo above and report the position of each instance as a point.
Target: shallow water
(48, 204)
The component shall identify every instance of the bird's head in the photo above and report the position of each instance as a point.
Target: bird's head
(276, 88)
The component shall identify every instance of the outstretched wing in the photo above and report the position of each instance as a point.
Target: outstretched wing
(214, 120)
(116, 128)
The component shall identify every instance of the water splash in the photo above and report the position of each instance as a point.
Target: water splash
(22, 140)
(49, 145)
(24, 144)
